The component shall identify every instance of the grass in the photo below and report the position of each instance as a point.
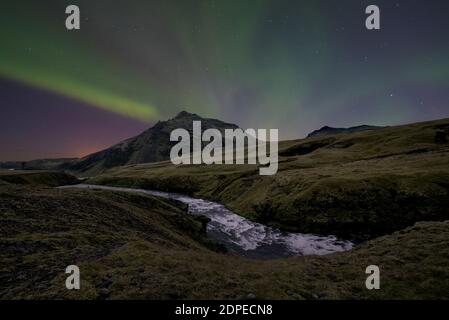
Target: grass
(131, 246)
(44, 228)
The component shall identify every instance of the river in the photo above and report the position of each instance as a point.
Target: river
(243, 236)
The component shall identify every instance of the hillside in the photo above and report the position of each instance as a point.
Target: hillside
(356, 185)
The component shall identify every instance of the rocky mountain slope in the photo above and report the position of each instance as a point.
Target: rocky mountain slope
(153, 145)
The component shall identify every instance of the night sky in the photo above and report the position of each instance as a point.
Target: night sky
(293, 65)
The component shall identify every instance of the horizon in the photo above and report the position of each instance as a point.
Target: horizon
(152, 125)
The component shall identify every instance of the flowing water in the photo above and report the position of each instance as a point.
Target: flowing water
(243, 236)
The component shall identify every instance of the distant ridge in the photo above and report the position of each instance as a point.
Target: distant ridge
(39, 164)
(329, 130)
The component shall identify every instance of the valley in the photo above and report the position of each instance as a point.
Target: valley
(384, 189)
(131, 246)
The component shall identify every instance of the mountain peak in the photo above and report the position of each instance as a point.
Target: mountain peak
(185, 114)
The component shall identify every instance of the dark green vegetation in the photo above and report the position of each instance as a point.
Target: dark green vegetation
(47, 178)
(356, 185)
(40, 164)
(142, 247)
(44, 228)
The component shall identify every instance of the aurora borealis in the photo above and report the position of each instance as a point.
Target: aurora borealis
(293, 65)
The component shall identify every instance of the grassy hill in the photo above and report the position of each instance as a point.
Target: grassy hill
(356, 185)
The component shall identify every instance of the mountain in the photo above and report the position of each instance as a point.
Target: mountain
(329, 130)
(153, 145)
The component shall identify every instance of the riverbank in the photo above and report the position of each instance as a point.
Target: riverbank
(242, 236)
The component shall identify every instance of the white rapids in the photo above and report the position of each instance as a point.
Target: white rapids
(244, 236)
